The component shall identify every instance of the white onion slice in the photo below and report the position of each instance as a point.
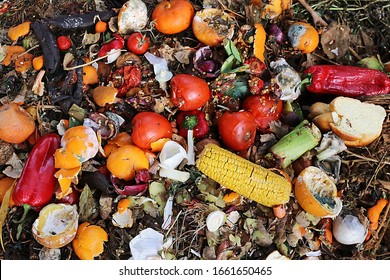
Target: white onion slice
(173, 174)
(172, 154)
(215, 220)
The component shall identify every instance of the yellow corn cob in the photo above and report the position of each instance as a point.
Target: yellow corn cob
(244, 177)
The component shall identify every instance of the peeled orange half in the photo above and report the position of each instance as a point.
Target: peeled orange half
(316, 193)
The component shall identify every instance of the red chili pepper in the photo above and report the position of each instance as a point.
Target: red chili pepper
(348, 81)
(116, 44)
(35, 186)
(195, 120)
(63, 43)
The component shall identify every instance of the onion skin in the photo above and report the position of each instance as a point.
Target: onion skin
(277, 33)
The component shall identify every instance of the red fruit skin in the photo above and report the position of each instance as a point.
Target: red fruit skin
(64, 43)
(264, 108)
(237, 130)
(189, 92)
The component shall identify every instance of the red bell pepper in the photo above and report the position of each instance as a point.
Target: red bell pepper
(348, 81)
(36, 184)
(195, 120)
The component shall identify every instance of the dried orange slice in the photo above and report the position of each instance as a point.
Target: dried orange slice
(56, 225)
(126, 160)
(89, 241)
(16, 125)
(316, 193)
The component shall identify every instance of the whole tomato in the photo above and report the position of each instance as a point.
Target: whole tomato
(148, 127)
(189, 92)
(138, 43)
(264, 108)
(173, 16)
(237, 130)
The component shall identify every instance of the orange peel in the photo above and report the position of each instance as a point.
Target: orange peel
(18, 31)
(23, 62)
(5, 184)
(89, 241)
(316, 193)
(126, 160)
(259, 42)
(12, 54)
(16, 125)
(38, 62)
(103, 95)
(90, 75)
(65, 178)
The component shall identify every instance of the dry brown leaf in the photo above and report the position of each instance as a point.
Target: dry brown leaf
(335, 41)
(385, 184)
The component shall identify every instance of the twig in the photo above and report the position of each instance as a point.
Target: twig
(366, 158)
(27, 51)
(357, 8)
(229, 10)
(316, 17)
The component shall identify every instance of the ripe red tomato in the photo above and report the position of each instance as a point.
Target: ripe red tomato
(63, 43)
(189, 92)
(148, 127)
(138, 43)
(237, 130)
(264, 108)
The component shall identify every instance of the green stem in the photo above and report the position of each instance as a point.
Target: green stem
(26, 210)
(301, 139)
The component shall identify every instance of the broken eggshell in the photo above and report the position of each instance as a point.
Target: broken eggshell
(215, 220)
(349, 230)
(146, 245)
(56, 225)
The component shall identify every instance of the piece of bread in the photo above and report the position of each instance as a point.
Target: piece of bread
(356, 122)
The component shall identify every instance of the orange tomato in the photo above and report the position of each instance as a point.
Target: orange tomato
(174, 16)
(149, 127)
